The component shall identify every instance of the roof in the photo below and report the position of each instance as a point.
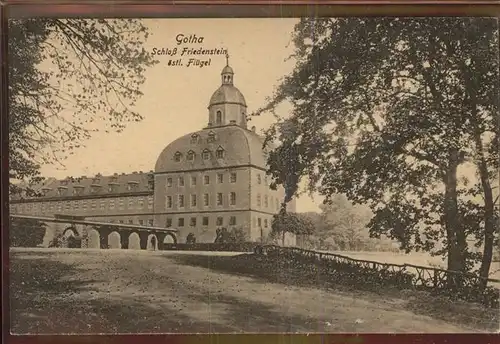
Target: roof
(139, 182)
(227, 70)
(240, 146)
(227, 94)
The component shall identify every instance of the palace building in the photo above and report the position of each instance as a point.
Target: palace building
(212, 178)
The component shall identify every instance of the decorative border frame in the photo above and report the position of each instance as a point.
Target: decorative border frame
(213, 9)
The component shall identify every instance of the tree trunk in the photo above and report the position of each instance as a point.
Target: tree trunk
(283, 239)
(489, 213)
(457, 246)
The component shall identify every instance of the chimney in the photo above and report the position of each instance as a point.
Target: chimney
(253, 128)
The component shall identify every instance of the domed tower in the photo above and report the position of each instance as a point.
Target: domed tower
(227, 105)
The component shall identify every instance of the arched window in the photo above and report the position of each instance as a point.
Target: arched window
(218, 117)
(194, 138)
(206, 154)
(211, 136)
(190, 155)
(219, 153)
(177, 156)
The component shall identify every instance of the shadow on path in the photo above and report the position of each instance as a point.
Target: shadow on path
(276, 271)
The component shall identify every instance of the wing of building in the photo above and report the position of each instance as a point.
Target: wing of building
(208, 179)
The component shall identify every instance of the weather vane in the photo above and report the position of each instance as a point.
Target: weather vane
(227, 59)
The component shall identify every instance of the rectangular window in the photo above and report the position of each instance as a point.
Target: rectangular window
(206, 180)
(233, 177)
(205, 221)
(220, 221)
(140, 203)
(150, 202)
(84, 205)
(150, 222)
(121, 221)
(193, 200)
(181, 181)
(265, 223)
(220, 178)
(232, 198)
(169, 201)
(259, 222)
(266, 203)
(205, 200)
(75, 205)
(169, 222)
(121, 204)
(219, 198)
(130, 222)
(232, 221)
(193, 181)
(259, 180)
(94, 204)
(111, 204)
(180, 222)
(192, 222)
(141, 222)
(103, 204)
(181, 201)
(131, 203)
(258, 200)
(169, 182)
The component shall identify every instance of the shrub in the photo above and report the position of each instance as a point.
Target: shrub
(190, 239)
(220, 247)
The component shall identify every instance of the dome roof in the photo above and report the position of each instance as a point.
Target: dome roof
(227, 70)
(227, 94)
(240, 146)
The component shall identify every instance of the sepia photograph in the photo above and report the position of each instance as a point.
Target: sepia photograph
(253, 175)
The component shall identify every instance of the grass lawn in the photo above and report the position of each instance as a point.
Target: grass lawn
(126, 291)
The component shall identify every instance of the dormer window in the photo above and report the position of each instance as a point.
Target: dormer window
(218, 117)
(61, 190)
(206, 154)
(45, 190)
(190, 155)
(219, 153)
(132, 185)
(194, 138)
(177, 156)
(78, 190)
(211, 137)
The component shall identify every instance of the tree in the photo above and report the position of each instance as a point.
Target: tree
(393, 121)
(344, 222)
(26, 233)
(294, 223)
(69, 78)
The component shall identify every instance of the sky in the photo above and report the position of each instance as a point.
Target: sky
(175, 98)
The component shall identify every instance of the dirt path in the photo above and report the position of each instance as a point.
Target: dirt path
(149, 292)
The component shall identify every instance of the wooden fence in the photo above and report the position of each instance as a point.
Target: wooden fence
(458, 285)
